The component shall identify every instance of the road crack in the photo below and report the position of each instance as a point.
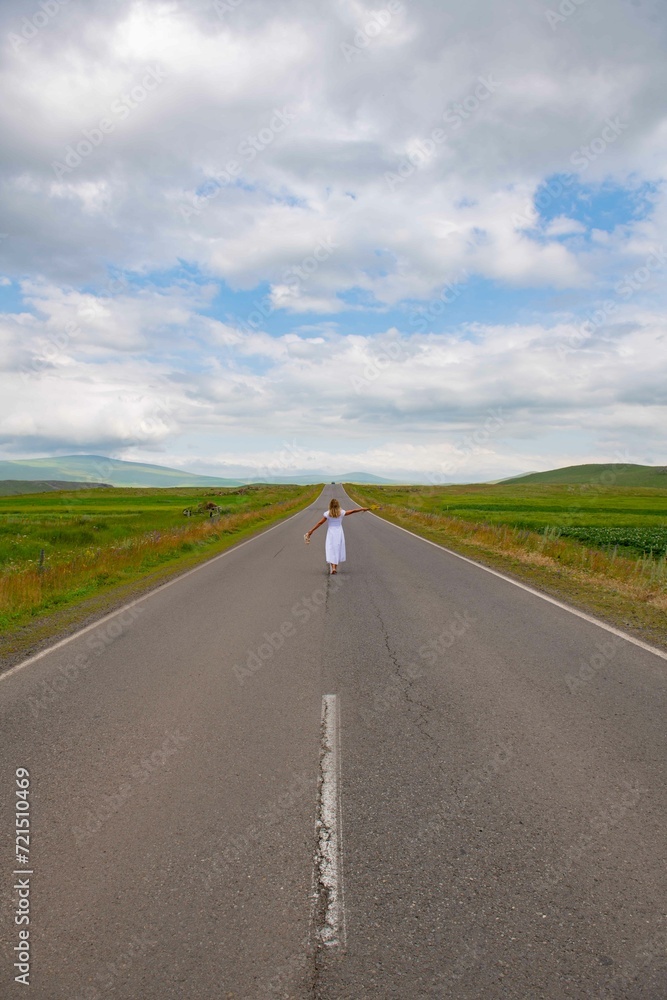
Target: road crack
(421, 710)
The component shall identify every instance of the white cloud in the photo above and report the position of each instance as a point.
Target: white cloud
(224, 79)
(429, 395)
(562, 226)
(261, 142)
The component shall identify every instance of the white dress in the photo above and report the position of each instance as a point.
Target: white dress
(335, 544)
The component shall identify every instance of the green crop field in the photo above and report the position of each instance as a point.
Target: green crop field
(60, 548)
(641, 538)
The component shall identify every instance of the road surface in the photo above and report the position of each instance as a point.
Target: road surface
(412, 780)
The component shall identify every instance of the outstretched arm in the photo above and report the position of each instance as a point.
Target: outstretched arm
(357, 510)
(322, 520)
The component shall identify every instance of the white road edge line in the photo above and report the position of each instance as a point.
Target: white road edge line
(535, 593)
(145, 597)
(332, 931)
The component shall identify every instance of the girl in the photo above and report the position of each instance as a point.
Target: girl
(335, 544)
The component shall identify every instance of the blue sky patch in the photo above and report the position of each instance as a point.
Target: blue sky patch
(11, 299)
(597, 206)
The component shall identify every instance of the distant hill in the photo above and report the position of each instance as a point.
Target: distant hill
(623, 475)
(87, 469)
(365, 477)
(15, 487)
(309, 478)
(97, 468)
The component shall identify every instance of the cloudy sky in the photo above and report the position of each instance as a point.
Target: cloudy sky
(418, 238)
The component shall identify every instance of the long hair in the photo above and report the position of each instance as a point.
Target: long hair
(334, 508)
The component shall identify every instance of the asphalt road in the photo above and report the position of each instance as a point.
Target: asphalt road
(492, 780)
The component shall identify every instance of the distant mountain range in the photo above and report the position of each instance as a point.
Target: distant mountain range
(89, 470)
(605, 474)
(113, 471)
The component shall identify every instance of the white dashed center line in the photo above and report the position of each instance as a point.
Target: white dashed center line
(329, 862)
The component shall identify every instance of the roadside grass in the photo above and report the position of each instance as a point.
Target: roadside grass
(102, 542)
(602, 548)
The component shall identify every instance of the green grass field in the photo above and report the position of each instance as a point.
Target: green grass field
(16, 487)
(57, 549)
